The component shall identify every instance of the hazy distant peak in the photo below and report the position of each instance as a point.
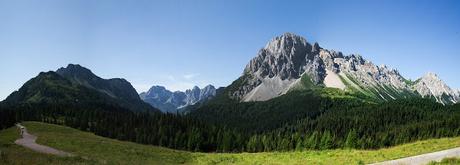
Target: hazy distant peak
(167, 101)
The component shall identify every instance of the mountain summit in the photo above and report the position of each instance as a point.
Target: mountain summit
(116, 87)
(77, 85)
(167, 101)
(431, 85)
(288, 61)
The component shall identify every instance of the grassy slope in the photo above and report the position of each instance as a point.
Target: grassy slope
(93, 149)
(447, 161)
(11, 153)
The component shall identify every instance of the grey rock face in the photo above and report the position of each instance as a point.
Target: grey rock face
(167, 101)
(284, 58)
(282, 62)
(431, 85)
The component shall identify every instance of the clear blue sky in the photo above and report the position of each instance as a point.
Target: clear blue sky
(180, 43)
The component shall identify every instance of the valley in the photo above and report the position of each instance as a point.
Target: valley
(294, 102)
(294, 99)
(294, 82)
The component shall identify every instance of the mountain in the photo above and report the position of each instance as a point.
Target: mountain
(167, 101)
(431, 85)
(76, 84)
(288, 62)
(116, 88)
(163, 99)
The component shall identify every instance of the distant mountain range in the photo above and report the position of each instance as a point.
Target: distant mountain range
(78, 85)
(168, 101)
(288, 62)
(292, 96)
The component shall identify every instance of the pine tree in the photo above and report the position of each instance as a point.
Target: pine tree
(326, 141)
(351, 141)
(312, 141)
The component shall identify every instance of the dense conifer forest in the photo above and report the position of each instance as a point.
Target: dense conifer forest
(280, 124)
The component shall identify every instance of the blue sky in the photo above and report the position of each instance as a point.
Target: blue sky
(179, 43)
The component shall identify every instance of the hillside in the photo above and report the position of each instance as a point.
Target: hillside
(308, 119)
(91, 149)
(117, 89)
(77, 86)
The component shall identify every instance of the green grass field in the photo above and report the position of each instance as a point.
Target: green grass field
(447, 161)
(92, 149)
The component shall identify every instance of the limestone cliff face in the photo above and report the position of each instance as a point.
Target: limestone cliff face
(285, 59)
(282, 61)
(168, 101)
(431, 85)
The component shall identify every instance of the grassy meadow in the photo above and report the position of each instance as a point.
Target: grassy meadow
(92, 149)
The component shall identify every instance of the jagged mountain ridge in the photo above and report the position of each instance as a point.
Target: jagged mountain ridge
(168, 101)
(287, 59)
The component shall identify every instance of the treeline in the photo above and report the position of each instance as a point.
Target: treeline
(298, 121)
(167, 130)
(7, 118)
(364, 127)
(282, 124)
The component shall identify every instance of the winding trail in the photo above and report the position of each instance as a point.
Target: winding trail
(28, 141)
(424, 158)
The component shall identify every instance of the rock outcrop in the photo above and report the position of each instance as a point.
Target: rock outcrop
(168, 101)
(280, 65)
(431, 85)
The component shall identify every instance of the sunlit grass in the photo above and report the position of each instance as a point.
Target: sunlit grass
(91, 149)
(447, 161)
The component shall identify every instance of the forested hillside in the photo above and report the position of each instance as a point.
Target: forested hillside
(280, 124)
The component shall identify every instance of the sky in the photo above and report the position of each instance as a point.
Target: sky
(182, 43)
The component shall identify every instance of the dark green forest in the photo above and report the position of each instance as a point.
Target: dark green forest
(295, 121)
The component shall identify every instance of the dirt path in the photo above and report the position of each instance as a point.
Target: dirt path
(28, 141)
(424, 159)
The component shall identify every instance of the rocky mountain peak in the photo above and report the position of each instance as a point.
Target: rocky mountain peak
(284, 56)
(431, 76)
(167, 101)
(316, 48)
(156, 91)
(283, 60)
(196, 88)
(285, 43)
(430, 85)
(279, 66)
(208, 91)
(75, 70)
(157, 88)
(116, 87)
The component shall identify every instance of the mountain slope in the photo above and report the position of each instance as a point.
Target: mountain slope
(167, 101)
(49, 87)
(117, 88)
(52, 88)
(281, 65)
(431, 85)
